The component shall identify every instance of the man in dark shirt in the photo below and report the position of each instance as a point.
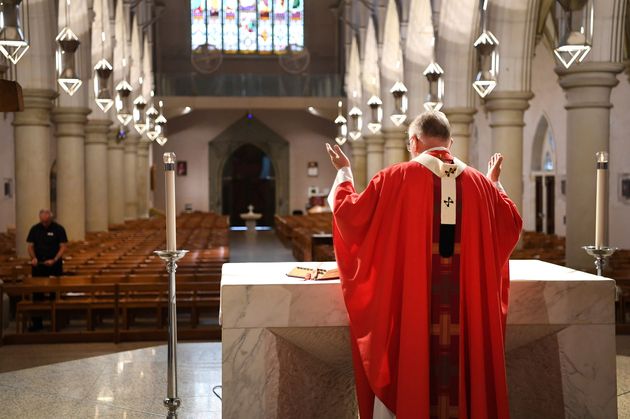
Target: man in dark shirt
(46, 245)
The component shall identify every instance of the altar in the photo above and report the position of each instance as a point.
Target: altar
(286, 349)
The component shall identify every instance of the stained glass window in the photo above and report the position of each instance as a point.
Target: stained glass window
(248, 26)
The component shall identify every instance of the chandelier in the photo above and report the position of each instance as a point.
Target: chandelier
(434, 74)
(123, 105)
(13, 45)
(160, 126)
(376, 114)
(574, 22)
(139, 114)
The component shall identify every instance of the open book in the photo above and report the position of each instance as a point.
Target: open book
(321, 272)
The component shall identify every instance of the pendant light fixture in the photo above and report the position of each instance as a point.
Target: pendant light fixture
(574, 23)
(355, 123)
(376, 114)
(434, 75)
(151, 117)
(67, 45)
(487, 56)
(102, 73)
(124, 110)
(160, 126)
(399, 115)
(139, 114)
(342, 126)
(13, 44)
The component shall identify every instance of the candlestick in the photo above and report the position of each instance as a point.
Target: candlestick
(169, 179)
(600, 202)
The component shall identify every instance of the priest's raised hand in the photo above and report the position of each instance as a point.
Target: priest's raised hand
(337, 157)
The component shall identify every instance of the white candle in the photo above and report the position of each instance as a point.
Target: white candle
(600, 202)
(169, 177)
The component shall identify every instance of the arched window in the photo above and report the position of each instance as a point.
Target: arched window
(248, 26)
(549, 152)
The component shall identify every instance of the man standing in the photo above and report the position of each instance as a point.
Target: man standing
(46, 246)
(423, 256)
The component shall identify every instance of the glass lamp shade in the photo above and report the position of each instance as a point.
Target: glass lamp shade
(399, 115)
(434, 74)
(160, 127)
(342, 129)
(487, 62)
(102, 93)
(376, 114)
(13, 45)
(139, 115)
(124, 111)
(67, 45)
(152, 129)
(161, 140)
(575, 30)
(355, 123)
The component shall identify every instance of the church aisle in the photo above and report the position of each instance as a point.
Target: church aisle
(261, 246)
(127, 385)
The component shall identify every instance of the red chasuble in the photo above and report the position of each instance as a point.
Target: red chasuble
(426, 288)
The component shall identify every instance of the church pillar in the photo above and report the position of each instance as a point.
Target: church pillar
(142, 175)
(374, 149)
(115, 179)
(506, 120)
(130, 173)
(359, 164)
(587, 89)
(395, 149)
(70, 133)
(96, 207)
(32, 161)
(460, 119)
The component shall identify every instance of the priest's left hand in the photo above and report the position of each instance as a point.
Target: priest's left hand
(337, 157)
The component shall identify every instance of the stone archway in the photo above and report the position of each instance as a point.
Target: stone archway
(249, 130)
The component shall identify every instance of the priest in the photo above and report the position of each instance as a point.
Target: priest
(423, 256)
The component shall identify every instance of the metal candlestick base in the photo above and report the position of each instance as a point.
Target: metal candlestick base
(170, 257)
(600, 254)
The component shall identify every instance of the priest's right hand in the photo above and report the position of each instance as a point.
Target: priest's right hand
(337, 157)
(494, 167)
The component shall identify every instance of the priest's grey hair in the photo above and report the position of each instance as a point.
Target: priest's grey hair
(432, 124)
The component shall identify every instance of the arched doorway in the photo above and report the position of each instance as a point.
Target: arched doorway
(544, 177)
(253, 137)
(249, 179)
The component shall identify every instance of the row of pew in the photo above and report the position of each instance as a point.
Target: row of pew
(309, 236)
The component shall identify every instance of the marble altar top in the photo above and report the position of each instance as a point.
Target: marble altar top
(261, 295)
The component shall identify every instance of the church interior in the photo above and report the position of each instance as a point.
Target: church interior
(96, 94)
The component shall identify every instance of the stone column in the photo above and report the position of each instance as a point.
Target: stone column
(359, 164)
(142, 177)
(129, 169)
(587, 88)
(70, 132)
(32, 161)
(460, 119)
(506, 120)
(115, 179)
(96, 197)
(395, 150)
(374, 147)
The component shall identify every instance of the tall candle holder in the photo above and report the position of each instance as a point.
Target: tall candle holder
(170, 256)
(600, 254)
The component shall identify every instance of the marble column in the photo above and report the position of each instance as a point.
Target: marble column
(115, 179)
(374, 150)
(395, 149)
(32, 161)
(506, 120)
(460, 119)
(587, 88)
(359, 164)
(142, 177)
(96, 197)
(70, 132)
(130, 175)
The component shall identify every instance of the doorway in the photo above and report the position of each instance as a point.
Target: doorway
(544, 178)
(545, 203)
(249, 179)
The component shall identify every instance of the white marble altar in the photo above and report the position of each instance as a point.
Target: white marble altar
(286, 348)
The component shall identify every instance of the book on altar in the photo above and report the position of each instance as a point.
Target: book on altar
(321, 272)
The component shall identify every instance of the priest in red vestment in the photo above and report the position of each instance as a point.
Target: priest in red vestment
(423, 256)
